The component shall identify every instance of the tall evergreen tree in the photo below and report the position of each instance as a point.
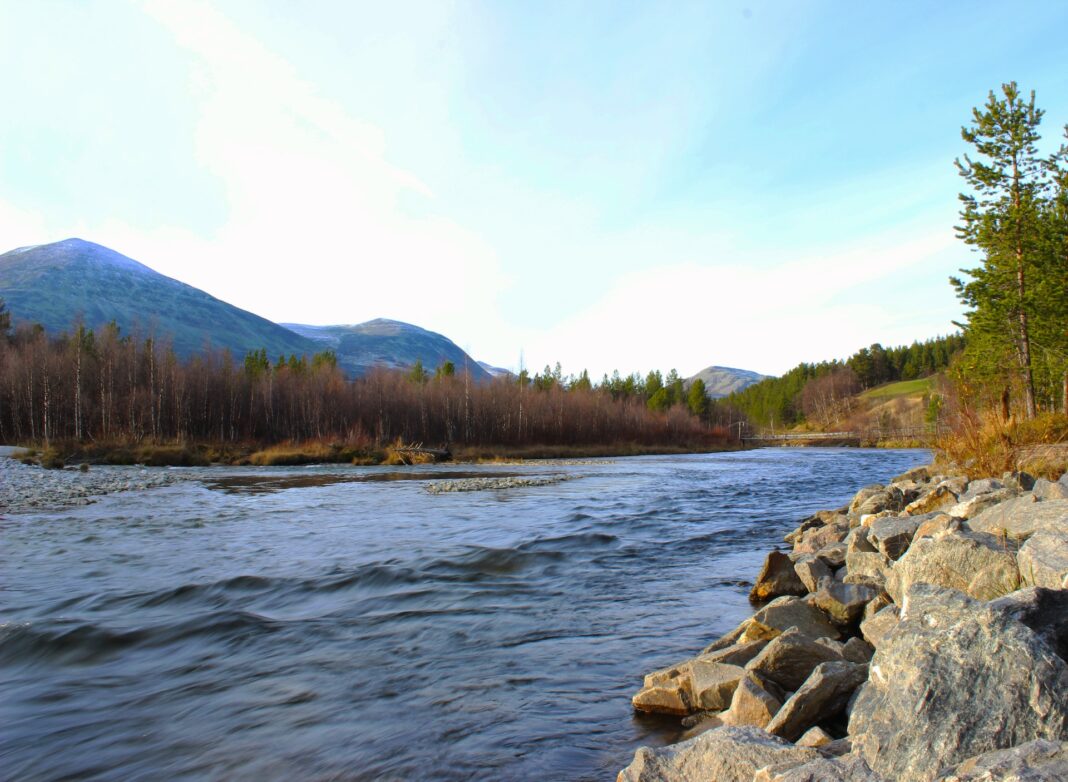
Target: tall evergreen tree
(1000, 218)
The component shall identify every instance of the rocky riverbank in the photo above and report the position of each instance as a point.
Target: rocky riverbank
(26, 487)
(918, 633)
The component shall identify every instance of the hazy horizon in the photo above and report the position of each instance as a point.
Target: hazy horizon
(743, 185)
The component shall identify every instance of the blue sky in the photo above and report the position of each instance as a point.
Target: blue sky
(610, 185)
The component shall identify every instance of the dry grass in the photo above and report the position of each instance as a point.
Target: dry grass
(290, 454)
(984, 444)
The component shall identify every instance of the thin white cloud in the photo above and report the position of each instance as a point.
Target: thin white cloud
(321, 227)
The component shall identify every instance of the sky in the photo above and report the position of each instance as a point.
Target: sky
(610, 185)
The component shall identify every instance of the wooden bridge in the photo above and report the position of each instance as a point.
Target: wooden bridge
(869, 436)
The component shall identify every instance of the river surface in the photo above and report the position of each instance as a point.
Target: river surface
(326, 623)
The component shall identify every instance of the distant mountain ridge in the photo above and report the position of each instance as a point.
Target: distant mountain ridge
(60, 284)
(724, 381)
(390, 344)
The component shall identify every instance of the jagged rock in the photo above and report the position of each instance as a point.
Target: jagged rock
(938, 498)
(1048, 490)
(777, 578)
(810, 570)
(1019, 480)
(982, 486)
(893, 536)
(857, 650)
(1043, 560)
(859, 540)
(889, 499)
(823, 695)
(843, 603)
(973, 506)
(730, 639)
(868, 519)
(738, 654)
(834, 555)
(694, 685)
(790, 658)
(786, 612)
(1035, 761)
(910, 490)
(696, 724)
(972, 562)
(917, 474)
(875, 628)
(714, 684)
(936, 524)
(1045, 611)
(863, 495)
(1020, 518)
(955, 679)
(837, 748)
(724, 754)
(881, 601)
(814, 737)
(847, 769)
(818, 519)
(821, 537)
(867, 563)
(755, 702)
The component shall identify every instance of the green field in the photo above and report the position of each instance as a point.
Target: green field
(903, 388)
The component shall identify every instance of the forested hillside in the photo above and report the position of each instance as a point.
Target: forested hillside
(783, 401)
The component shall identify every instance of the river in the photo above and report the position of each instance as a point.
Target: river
(342, 623)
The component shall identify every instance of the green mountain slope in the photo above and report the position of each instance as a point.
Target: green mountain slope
(59, 284)
(390, 344)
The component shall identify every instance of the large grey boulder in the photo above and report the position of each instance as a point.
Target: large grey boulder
(810, 569)
(938, 498)
(956, 678)
(1022, 517)
(843, 603)
(1043, 559)
(694, 685)
(785, 612)
(976, 563)
(875, 628)
(823, 537)
(973, 506)
(1050, 490)
(892, 536)
(755, 702)
(1035, 761)
(846, 769)
(790, 658)
(1043, 610)
(982, 486)
(726, 754)
(776, 578)
(864, 495)
(823, 696)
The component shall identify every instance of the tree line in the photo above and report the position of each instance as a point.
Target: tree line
(105, 386)
(816, 391)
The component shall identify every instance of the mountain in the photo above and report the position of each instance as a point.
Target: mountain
(724, 381)
(496, 371)
(58, 284)
(390, 344)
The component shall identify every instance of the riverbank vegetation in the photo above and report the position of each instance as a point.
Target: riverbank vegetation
(105, 396)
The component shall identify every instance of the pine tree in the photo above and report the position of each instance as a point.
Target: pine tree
(1001, 219)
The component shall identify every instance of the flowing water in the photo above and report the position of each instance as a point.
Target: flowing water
(345, 623)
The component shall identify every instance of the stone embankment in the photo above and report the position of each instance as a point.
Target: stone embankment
(26, 487)
(919, 633)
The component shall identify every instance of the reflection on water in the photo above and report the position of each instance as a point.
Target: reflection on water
(335, 623)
